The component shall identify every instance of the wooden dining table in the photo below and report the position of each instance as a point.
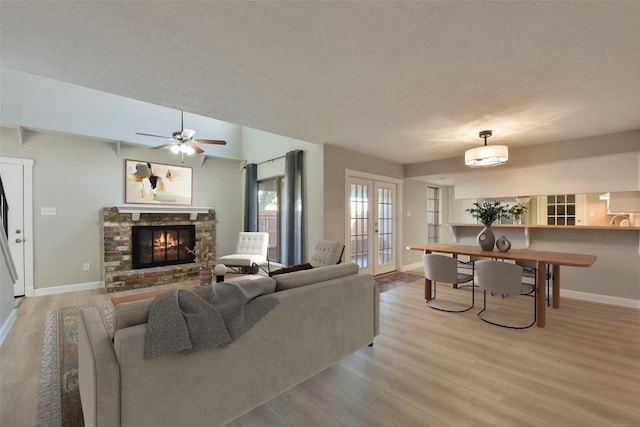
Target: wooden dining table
(542, 258)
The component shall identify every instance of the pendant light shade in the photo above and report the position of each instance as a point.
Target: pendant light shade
(486, 155)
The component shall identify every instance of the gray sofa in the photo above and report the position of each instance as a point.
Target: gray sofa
(324, 314)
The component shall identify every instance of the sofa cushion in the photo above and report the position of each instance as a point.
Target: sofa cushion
(314, 275)
(267, 284)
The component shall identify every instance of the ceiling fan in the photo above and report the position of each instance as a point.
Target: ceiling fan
(182, 141)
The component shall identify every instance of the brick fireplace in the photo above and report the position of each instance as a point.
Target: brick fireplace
(118, 222)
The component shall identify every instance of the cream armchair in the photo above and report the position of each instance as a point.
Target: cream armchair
(327, 252)
(251, 252)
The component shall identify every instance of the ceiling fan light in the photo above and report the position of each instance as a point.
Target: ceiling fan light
(175, 149)
(486, 155)
(188, 150)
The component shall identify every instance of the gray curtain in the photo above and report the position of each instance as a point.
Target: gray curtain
(251, 198)
(293, 230)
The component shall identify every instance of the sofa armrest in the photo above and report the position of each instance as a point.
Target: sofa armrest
(98, 372)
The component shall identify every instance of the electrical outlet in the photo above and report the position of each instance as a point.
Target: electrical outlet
(48, 211)
(86, 266)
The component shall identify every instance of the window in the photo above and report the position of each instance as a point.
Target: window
(433, 214)
(561, 209)
(269, 191)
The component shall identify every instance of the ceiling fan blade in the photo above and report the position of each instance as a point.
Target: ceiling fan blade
(155, 136)
(162, 146)
(196, 148)
(210, 141)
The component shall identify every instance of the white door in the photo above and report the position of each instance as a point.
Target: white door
(13, 183)
(371, 225)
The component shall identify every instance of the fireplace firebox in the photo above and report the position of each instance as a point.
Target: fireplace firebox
(159, 245)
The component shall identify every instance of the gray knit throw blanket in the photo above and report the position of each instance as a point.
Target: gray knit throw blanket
(187, 320)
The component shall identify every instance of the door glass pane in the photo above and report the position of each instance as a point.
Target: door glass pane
(385, 229)
(358, 224)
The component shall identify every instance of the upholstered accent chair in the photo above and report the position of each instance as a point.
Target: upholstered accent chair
(251, 252)
(441, 268)
(327, 252)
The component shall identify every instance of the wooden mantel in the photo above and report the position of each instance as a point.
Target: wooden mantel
(136, 210)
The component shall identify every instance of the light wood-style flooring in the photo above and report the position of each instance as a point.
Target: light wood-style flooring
(427, 368)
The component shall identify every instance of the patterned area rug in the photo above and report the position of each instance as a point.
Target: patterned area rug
(58, 393)
(393, 280)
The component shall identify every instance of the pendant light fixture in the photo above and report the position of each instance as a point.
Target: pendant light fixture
(487, 155)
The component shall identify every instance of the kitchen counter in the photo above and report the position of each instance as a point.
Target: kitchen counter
(528, 227)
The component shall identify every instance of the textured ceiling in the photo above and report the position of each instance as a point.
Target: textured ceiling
(404, 81)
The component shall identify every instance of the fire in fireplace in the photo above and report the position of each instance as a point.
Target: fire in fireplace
(159, 245)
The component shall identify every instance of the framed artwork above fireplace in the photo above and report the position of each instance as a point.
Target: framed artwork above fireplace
(158, 183)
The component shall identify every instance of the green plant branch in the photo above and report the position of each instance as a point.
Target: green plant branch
(488, 212)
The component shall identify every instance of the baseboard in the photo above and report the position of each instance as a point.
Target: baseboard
(603, 299)
(68, 288)
(6, 327)
(410, 267)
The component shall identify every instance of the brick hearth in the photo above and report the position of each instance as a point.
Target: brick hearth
(118, 273)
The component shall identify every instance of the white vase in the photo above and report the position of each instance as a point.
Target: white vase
(486, 239)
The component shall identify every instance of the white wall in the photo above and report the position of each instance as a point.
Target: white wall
(615, 172)
(80, 176)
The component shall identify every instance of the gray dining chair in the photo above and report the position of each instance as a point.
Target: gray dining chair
(530, 270)
(469, 263)
(503, 278)
(440, 268)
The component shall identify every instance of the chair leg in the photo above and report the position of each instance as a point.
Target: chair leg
(433, 293)
(256, 268)
(484, 307)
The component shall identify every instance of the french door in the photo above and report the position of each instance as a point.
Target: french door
(371, 225)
